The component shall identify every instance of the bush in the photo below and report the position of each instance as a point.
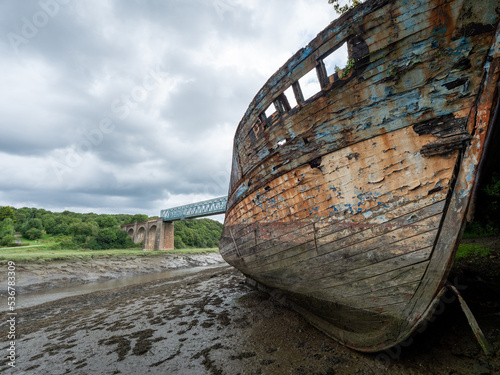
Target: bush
(110, 238)
(68, 245)
(33, 234)
(8, 240)
(80, 239)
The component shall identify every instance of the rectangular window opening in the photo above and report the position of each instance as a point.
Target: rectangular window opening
(309, 84)
(291, 97)
(336, 61)
(270, 111)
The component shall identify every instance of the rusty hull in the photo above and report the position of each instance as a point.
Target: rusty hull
(352, 203)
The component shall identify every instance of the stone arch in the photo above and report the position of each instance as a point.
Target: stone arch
(153, 234)
(140, 235)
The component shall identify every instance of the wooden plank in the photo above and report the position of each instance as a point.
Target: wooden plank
(336, 33)
(388, 280)
(335, 251)
(487, 348)
(285, 191)
(454, 220)
(382, 95)
(301, 149)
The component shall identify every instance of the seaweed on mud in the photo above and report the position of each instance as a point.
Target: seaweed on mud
(156, 321)
(267, 362)
(81, 366)
(120, 326)
(207, 362)
(143, 344)
(34, 367)
(54, 349)
(243, 355)
(189, 325)
(223, 318)
(38, 356)
(156, 364)
(122, 346)
(207, 323)
(242, 322)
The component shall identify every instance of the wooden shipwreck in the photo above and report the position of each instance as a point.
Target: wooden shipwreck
(352, 202)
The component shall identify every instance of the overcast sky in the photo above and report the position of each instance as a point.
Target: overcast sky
(131, 106)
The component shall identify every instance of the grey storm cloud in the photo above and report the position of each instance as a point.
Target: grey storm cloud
(131, 106)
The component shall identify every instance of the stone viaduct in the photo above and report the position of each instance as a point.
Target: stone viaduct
(154, 234)
(158, 234)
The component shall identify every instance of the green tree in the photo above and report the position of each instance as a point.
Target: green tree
(107, 221)
(61, 229)
(7, 212)
(137, 218)
(178, 244)
(32, 224)
(347, 5)
(199, 233)
(49, 223)
(20, 220)
(6, 227)
(82, 229)
(8, 240)
(33, 234)
(110, 238)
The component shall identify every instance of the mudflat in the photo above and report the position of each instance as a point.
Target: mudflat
(211, 322)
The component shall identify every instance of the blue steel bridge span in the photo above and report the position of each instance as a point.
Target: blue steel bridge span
(200, 209)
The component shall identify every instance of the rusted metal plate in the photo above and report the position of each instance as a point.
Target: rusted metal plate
(352, 202)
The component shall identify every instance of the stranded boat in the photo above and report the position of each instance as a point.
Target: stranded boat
(351, 203)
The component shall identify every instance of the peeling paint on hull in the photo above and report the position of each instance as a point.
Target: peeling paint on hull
(352, 203)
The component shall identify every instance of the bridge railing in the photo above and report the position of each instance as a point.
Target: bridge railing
(205, 208)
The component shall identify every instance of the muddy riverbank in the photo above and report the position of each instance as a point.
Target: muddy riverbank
(212, 323)
(32, 277)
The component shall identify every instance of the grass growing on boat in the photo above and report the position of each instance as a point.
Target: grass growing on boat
(42, 254)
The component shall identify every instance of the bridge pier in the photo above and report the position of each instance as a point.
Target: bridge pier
(158, 234)
(154, 234)
(166, 236)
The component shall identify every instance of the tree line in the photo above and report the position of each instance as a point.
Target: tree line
(95, 231)
(200, 233)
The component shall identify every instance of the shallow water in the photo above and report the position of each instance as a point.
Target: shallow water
(40, 297)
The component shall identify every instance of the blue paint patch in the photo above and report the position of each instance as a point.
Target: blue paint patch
(368, 214)
(241, 190)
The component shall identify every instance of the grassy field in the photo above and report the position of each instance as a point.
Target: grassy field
(43, 254)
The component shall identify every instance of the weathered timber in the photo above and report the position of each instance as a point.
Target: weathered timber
(351, 204)
(487, 348)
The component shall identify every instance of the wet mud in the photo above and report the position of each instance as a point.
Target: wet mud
(213, 323)
(42, 276)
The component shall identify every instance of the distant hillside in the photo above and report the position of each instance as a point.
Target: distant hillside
(96, 231)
